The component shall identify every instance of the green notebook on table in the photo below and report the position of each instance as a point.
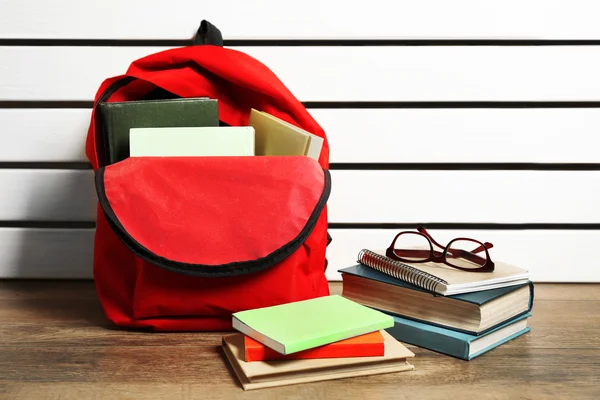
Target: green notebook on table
(292, 327)
(119, 117)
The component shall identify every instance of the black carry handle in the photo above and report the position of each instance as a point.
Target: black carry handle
(208, 34)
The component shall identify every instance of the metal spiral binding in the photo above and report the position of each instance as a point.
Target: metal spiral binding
(399, 270)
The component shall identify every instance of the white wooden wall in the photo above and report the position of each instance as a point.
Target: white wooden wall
(480, 119)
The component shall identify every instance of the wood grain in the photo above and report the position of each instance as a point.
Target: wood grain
(56, 344)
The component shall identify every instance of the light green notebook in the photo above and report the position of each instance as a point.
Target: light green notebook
(293, 327)
(191, 141)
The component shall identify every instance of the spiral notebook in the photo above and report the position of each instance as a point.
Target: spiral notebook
(441, 278)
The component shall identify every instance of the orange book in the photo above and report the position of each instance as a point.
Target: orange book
(369, 345)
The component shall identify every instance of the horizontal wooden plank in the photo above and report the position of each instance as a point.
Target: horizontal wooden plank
(358, 196)
(465, 196)
(551, 256)
(265, 19)
(51, 135)
(431, 73)
(362, 135)
(47, 195)
(461, 135)
(46, 253)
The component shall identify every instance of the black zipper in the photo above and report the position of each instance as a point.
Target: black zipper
(213, 271)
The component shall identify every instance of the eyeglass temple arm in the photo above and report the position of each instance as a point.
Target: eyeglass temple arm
(486, 245)
(424, 232)
(458, 253)
(469, 255)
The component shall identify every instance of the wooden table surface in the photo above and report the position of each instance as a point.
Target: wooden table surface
(56, 344)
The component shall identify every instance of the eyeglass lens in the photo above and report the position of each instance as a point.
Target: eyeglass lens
(412, 246)
(461, 254)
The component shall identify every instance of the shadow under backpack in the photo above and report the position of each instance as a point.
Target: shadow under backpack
(182, 243)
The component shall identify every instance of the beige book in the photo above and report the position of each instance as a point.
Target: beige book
(276, 137)
(263, 374)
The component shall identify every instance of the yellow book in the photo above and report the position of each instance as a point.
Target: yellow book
(276, 137)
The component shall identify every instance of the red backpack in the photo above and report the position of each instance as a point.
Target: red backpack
(182, 243)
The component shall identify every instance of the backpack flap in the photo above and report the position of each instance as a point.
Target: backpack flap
(213, 216)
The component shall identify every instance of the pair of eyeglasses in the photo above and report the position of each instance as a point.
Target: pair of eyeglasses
(461, 253)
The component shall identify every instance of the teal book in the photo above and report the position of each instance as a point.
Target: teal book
(292, 327)
(457, 344)
(472, 313)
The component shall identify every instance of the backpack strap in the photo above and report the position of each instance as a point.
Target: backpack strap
(208, 34)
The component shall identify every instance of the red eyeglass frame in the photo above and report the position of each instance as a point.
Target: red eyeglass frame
(441, 257)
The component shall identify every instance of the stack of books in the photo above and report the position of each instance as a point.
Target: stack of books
(191, 127)
(459, 313)
(313, 340)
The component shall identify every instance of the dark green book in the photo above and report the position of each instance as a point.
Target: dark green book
(474, 313)
(118, 118)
